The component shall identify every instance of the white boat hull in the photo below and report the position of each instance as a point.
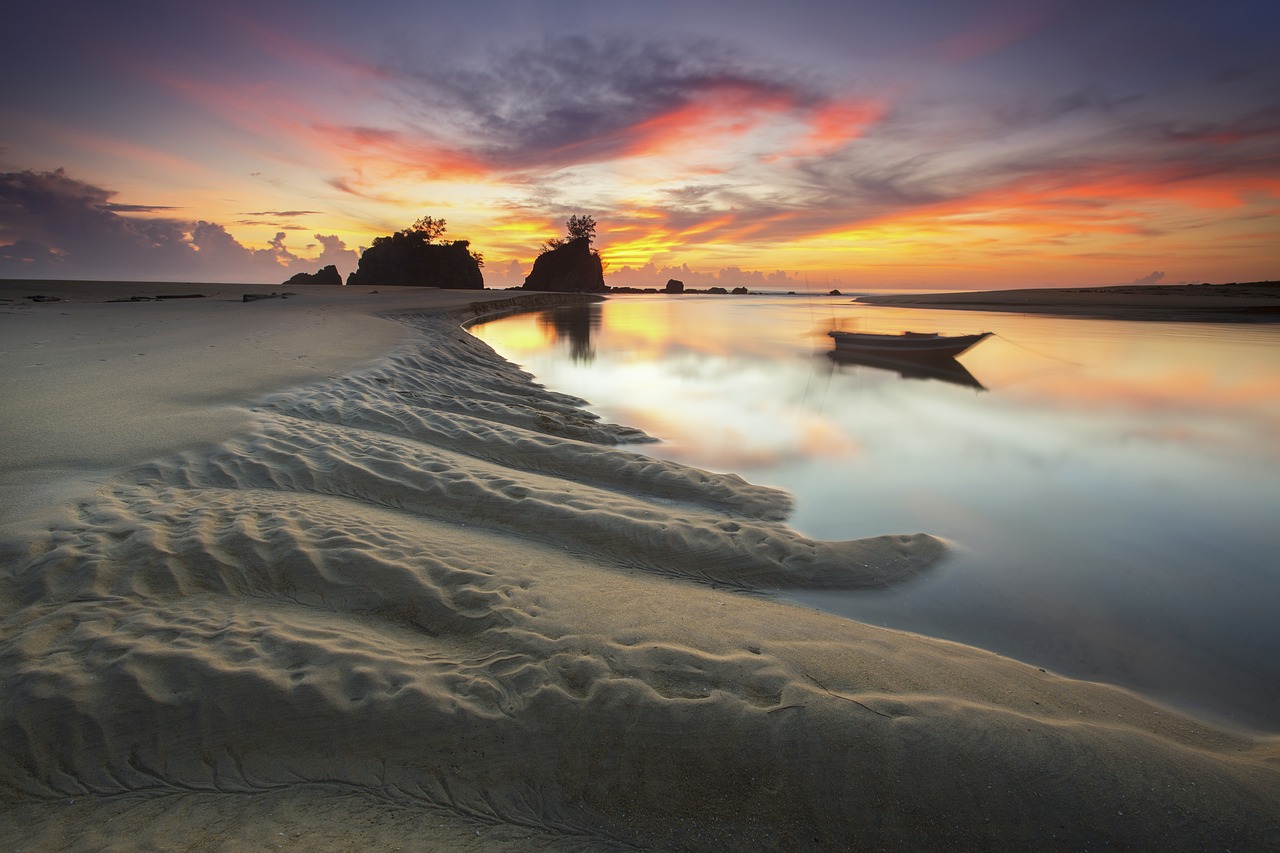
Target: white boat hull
(906, 344)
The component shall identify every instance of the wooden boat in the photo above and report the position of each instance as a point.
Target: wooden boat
(907, 344)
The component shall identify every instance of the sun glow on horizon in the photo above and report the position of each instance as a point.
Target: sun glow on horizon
(925, 156)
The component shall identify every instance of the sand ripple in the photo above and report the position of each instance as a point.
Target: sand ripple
(433, 592)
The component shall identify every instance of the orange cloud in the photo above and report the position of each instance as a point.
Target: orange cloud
(267, 112)
(718, 111)
(1185, 182)
(394, 154)
(155, 159)
(256, 108)
(835, 125)
(294, 51)
(1104, 200)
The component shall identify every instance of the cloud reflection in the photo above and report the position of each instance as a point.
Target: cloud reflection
(1115, 487)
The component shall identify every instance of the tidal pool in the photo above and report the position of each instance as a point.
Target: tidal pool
(1111, 489)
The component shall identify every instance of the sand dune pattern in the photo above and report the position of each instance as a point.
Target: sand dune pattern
(435, 593)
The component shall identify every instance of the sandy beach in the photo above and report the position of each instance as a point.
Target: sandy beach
(1251, 302)
(325, 572)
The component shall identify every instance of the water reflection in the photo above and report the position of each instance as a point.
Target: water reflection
(1110, 498)
(941, 368)
(575, 325)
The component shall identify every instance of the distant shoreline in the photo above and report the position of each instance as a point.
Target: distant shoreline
(1246, 302)
(1242, 302)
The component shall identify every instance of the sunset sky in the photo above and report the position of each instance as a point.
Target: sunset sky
(915, 143)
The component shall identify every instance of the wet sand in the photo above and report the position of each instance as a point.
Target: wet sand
(366, 585)
(1251, 302)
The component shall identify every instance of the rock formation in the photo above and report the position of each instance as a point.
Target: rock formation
(674, 285)
(569, 268)
(327, 275)
(406, 258)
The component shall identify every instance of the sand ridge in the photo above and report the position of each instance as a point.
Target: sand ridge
(431, 591)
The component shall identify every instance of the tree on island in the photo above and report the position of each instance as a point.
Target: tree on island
(577, 228)
(569, 264)
(412, 257)
(426, 229)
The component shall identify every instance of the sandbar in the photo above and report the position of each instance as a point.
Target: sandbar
(390, 592)
(1250, 302)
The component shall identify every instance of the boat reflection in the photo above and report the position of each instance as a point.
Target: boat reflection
(912, 366)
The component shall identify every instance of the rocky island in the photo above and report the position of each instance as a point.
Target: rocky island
(569, 265)
(412, 257)
(326, 275)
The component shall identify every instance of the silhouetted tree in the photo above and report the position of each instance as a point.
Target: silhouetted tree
(428, 228)
(577, 227)
(581, 226)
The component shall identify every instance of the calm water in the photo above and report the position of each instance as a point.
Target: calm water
(1112, 489)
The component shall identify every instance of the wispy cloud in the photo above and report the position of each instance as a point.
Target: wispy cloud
(996, 27)
(118, 207)
(574, 101)
(286, 214)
